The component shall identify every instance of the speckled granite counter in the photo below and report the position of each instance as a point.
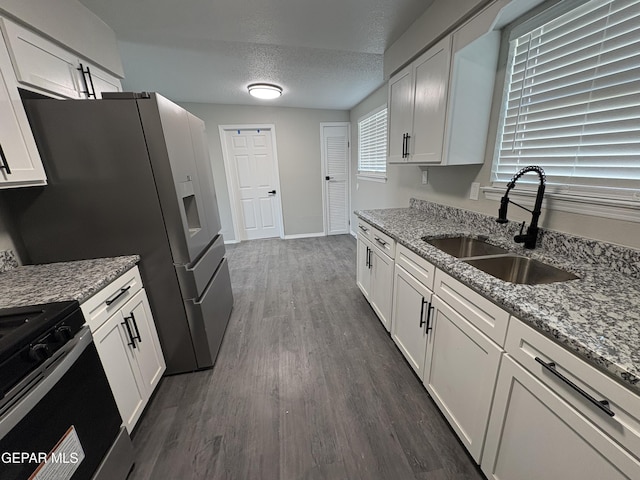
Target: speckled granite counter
(53, 282)
(596, 316)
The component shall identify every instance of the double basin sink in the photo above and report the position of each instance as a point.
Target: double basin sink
(500, 263)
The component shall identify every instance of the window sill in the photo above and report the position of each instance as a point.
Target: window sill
(599, 206)
(372, 177)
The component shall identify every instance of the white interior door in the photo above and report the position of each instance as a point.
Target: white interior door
(335, 162)
(252, 165)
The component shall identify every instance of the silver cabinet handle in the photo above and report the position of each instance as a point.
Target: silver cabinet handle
(364, 229)
(381, 242)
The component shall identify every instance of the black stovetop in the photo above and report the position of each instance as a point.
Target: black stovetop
(30, 335)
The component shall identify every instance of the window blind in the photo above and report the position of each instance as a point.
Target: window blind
(572, 99)
(372, 143)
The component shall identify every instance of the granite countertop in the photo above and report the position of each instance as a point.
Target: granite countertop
(54, 282)
(597, 316)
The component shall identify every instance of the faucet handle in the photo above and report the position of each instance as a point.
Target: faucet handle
(522, 227)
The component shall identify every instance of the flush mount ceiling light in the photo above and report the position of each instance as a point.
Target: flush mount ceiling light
(265, 91)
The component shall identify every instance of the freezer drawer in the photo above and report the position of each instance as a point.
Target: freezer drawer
(208, 316)
(195, 276)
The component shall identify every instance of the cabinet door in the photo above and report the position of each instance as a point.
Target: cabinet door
(147, 354)
(20, 162)
(411, 302)
(533, 434)
(382, 286)
(363, 273)
(460, 374)
(40, 63)
(431, 78)
(399, 114)
(120, 365)
(98, 81)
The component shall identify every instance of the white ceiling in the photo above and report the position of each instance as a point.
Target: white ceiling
(324, 53)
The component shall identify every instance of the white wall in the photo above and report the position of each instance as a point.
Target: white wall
(298, 142)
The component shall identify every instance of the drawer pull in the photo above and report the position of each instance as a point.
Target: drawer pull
(118, 295)
(381, 242)
(364, 229)
(601, 404)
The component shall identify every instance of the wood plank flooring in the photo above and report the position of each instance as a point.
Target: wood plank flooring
(308, 385)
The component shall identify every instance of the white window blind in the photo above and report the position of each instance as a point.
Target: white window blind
(372, 143)
(572, 100)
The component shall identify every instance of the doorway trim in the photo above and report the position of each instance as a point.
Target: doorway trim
(325, 224)
(230, 171)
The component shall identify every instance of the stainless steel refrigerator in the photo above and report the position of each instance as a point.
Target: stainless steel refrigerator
(130, 174)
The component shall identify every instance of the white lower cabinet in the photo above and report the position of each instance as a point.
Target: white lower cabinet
(120, 320)
(118, 361)
(535, 435)
(130, 352)
(374, 273)
(460, 374)
(555, 416)
(363, 274)
(411, 318)
(382, 286)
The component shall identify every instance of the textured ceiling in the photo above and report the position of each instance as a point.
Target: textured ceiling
(325, 54)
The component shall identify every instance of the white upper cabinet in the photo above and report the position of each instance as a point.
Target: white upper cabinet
(439, 106)
(399, 114)
(417, 103)
(42, 66)
(20, 163)
(94, 81)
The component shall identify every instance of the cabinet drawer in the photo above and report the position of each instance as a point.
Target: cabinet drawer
(380, 240)
(525, 344)
(483, 314)
(417, 266)
(383, 242)
(364, 229)
(111, 298)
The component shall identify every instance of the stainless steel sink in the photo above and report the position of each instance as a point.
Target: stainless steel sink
(463, 247)
(517, 269)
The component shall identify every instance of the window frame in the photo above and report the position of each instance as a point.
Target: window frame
(601, 200)
(372, 175)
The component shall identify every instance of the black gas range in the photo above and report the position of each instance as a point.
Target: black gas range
(30, 335)
(58, 417)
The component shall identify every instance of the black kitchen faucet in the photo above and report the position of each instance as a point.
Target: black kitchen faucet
(529, 238)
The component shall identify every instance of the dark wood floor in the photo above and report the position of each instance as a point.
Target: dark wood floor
(307, 385)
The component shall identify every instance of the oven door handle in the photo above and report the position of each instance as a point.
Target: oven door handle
(50, 375)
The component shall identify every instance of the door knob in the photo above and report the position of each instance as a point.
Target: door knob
(327, 177)
(272, 192)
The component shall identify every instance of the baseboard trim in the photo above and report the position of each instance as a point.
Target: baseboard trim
(304, 235)
(231, 242)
